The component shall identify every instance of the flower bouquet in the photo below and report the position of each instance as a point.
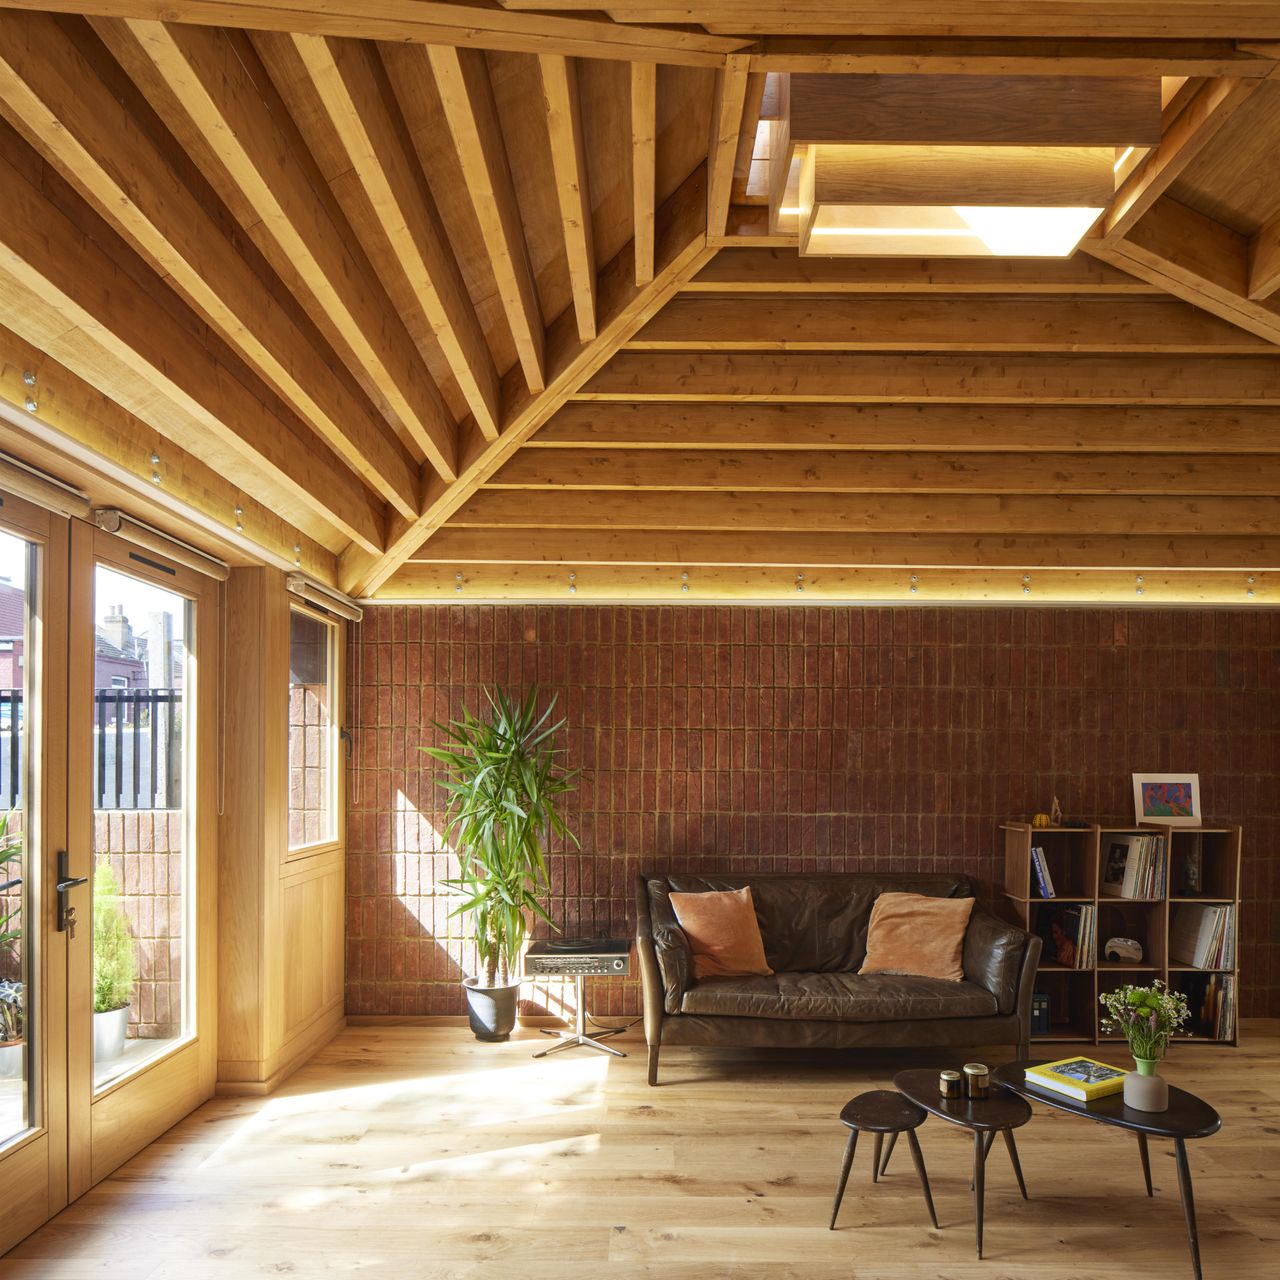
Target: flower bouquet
(1148, 1018)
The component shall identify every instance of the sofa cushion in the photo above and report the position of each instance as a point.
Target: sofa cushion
(836, 997)
(817, 922)
(915, 934)
(723, 934)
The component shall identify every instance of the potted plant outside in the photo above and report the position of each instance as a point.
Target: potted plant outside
(12, 1038)
(1148, 1018)
(12, 1008)
(504, 779)
(114, 967)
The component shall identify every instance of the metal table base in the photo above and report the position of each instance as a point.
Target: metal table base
(580, 1036)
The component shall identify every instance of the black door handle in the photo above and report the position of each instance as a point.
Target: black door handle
(10, 884)
(65, 883)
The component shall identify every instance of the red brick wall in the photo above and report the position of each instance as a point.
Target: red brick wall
(801, 738)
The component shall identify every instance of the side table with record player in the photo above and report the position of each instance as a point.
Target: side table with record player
(580, 958)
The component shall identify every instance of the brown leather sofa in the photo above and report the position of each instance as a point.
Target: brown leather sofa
(814, 928)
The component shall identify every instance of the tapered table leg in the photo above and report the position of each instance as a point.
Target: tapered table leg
(979, 1185)
(1007, 1135)
(1146, 1161)
(875, 1159)
(918, 1157)
(986, 1149)
(888, 1151)
(1188, 1203)
(849, 1148)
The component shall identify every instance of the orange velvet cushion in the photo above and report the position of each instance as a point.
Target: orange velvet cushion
(723, 933)
(915, 934)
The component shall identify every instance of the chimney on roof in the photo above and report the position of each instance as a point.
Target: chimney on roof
(116, 629)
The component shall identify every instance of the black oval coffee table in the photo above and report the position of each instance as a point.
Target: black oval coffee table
(1001, 1112)
(1188, 1117)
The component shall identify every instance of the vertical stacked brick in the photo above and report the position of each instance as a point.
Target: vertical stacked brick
(144, 850)
(798, 739)
(310, 819)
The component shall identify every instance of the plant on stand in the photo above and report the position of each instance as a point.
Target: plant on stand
(1148, 1018)
(114, 967)
(504, 779)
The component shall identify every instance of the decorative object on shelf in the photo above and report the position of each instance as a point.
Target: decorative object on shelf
(1055, 813)
(1040, 821)
(114, 967)
(950, 1084)
(1041, 1013)
(977, 1079)
(504, 777)
(1148, 1018)
(1123, 951)
(1171, 799)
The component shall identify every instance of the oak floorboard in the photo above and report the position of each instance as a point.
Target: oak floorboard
(415, 1151)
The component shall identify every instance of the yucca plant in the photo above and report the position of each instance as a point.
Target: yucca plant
(504, 779)
(10, 869)
(115, 963)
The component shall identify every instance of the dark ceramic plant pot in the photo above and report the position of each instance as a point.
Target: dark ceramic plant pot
(491, 1010)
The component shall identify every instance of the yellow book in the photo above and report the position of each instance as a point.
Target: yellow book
(1081, 1078)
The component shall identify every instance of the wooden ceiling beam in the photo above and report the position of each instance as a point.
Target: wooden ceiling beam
(1264, 261)
(812, 585)
(821, 471)
(88, 303)
(450, 22)
(623, 308)
(350, 82)
(782, 270)
(462, 79)
(78, 421)
(816, 378)
(54, 97)
(875, 513)
(722, 151)
(1214, 103)
(252, 153)
(753, 105)
(985, 428)
(786, 550)
(1195, 258)
(569, 167)
(644, 155)
(1076, 56)
(779, 323)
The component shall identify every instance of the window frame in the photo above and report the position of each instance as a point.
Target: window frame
(333, 737)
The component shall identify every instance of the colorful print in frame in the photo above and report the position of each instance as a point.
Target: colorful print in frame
(1169, 798)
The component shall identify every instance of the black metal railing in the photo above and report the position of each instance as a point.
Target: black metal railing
(137, 748)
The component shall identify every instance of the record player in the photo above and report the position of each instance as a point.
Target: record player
(571, 957)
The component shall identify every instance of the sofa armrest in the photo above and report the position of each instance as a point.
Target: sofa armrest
(994, 952)
(657, 926)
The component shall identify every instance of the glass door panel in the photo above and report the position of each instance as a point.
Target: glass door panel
(18, 937)
(142, 728)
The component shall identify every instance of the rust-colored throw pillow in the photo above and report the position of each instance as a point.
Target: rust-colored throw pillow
(912, 933)
(723, 933)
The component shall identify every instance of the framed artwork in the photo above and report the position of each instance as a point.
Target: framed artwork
(1172, 798)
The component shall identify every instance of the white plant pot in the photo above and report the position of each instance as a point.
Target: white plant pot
(108, 1034)
(12, 1055)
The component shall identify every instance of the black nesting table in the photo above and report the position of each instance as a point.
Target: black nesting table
(1187, 1117)
(1002, 1111)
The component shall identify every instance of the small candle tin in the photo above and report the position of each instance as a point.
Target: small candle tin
(977, 1080)
(950, 1085)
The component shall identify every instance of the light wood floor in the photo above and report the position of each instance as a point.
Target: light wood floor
(416, 1152)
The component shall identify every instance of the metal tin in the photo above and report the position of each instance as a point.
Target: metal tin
(977, 1079)
(950, 1085)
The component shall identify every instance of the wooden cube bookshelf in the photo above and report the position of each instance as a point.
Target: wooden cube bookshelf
(1074, 857)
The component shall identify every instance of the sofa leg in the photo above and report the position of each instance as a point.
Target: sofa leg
(1023, 1050)
(653, 1064)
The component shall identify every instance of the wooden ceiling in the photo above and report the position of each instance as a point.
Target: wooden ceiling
(456, 301)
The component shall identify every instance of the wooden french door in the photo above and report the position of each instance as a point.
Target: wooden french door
(142, 747)
(109, 773)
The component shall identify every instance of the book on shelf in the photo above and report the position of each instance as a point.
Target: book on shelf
(1084, 1079)
(1134, 867)
(1041, 874)
(1070, 935)
(1212, 1000)
(1202, 936)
